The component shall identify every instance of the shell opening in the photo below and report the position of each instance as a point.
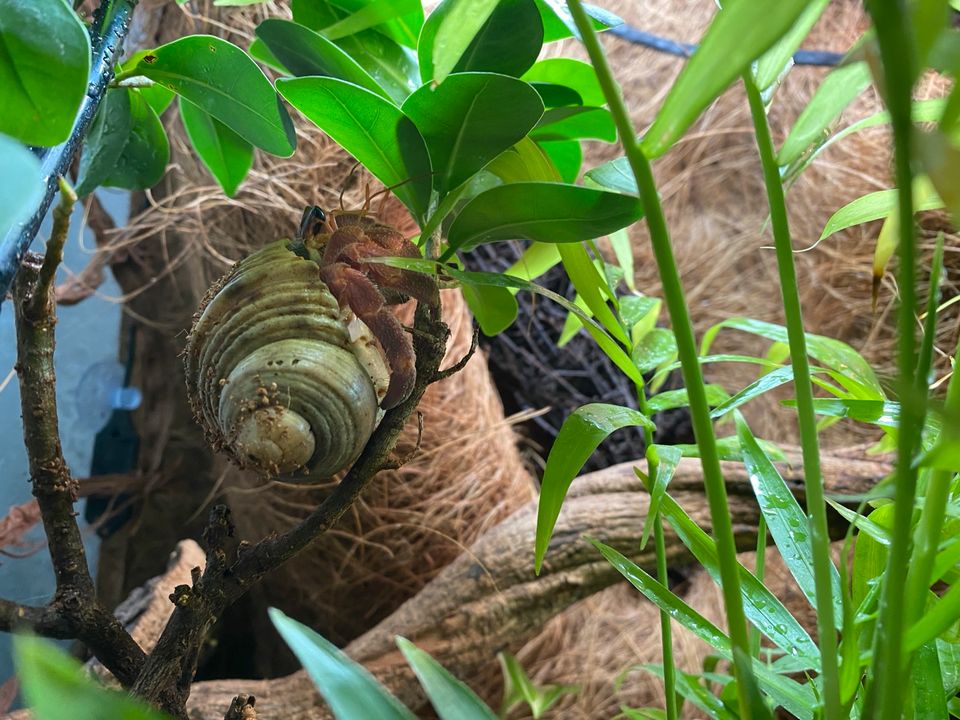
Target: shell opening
(275, 438)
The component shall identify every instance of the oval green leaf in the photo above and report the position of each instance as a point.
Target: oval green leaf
(458, 24)
(465, 123)
(222, 80)
(348, 688)
(495, 308)
(558, 22)
(574, 74)
(371, 129)
(567, 123)
(546, 212)
(450, 697)
(581, 433)
(21, 185)
(304, 52)
(225, 154)
(566, 156)
(615, 175)
(44, 67)
(371, 14)
(738, 35)
(143, 159)
(105, 141)
(554, 95)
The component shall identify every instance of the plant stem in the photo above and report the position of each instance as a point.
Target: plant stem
(806, 417)
(894, 36)
(110, 26)
(686, 346)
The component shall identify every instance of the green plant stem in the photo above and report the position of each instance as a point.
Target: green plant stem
(806, 417)
(686, 346)
(894, 36)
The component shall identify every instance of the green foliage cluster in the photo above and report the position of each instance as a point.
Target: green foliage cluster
(481, 141)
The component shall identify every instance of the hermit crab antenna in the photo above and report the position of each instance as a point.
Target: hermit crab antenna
(346, 183)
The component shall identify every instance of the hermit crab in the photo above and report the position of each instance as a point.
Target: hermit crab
(294, 355)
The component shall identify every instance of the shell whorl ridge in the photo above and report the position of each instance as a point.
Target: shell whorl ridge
(277, 375)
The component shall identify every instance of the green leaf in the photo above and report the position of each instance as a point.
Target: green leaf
(876, 412)
(105, 141)
(495, 308)
(222, 80)
(654, 349)
(508, 42)
(758, 387)
(940, 158)
(574, 74)
(458, 24)
(837, 91)
(729, 449)
(306, 53)
(464, 124)
(157, 96)
(666, 458)
(739, 33)
(451, 698)
(566, 156)
(591, 287)
(21, 185)
(44, 67)
(371, 14)
(56, 687)
(615, 175)
(935, 622)
(259, 51)
(526, 160)
(670, 399)
(554, 95)
(877, 205)
(558, 22)
(546, 212)
(581, 433)
(786, 520)
(568, 123)
(225, 154)
(371, 129)
(929, 699)
(321, 14)
(350, 691)
(143, 158)
(798, 699)
(773, 62)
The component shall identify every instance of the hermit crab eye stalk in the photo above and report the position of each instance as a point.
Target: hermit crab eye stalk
(312, 222)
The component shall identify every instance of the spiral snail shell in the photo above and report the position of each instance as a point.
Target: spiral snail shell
(277, 374)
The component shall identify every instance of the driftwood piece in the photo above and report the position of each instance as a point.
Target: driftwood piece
(489, 599)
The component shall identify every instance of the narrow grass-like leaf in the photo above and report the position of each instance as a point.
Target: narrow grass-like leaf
(574, 74)
(739, 33)
(588, 282)
(670, 399)
(623, 250)
(665, 458)
(773, 62)
(44, 64)
(371, 129)
(225, 154)
(222, 80)
(786, 520)
(729, 449)
(450, 697)
(56, 687)
(873, 206)
(936, 621)
(463, 123)
(763, 384)
(21, 185)
(579, 436)
(546, 212)
(876, 412)
(350, 691)
(929, 700)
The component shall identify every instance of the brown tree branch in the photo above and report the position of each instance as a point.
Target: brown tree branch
(74, 609)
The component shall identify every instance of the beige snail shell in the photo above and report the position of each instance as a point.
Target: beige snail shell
(277, 374)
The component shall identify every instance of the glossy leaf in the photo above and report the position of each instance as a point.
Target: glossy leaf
(464, 124)
(758, 387)
(878, 205)
(655, 348)
(579, 436)
(567, 123)
(371, 14)
(450, 697)
(670, 399)
(546, 212)
(554, 95)
(458, 24)
(225, 154)
(350, 691)
(103, 144)
(623, 250)
(773, 62)
(222, 80)
(786, 520)
(666, 458)
(739, 34)
(21, 185)
(44, 67)
(321, 14)
(728, 448)
(304, 52)
(615, 175)
(143, 158)
(591, 287)
(508, 42)
(929, 699)
(566, 156)
(525, 161)
(837, 91)
(371, 129)
(157, 96)
(56, 687)
(559, 22)
(875, 412)
(495, 308)
(574, 74)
